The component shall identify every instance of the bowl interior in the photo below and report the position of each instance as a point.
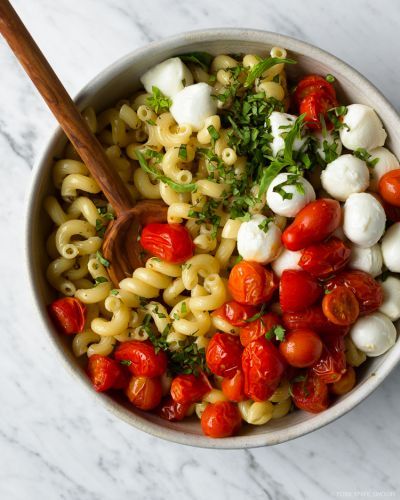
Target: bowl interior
(121, 80)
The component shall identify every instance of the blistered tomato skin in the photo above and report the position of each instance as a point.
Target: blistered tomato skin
(169, 242)
(251, 283)
(298, 290)
(173, 411)
(301, 348)
(234, 313)
(313, 83)
(346, 382)
(310, 393)
(368, 291)
(221, 419)
(263, 367)
(315, 105)
(258, 328)
(104, 373)
(141, 358)
(332, 363)
(233, 387)
(189, 388)
(325, 259)
(68, 314)
(314, 223)
(224, 354)
(313, 318)
(145, 393)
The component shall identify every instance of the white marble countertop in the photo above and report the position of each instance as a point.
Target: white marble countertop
(54, 444)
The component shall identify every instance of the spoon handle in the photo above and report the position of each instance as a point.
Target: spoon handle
(63, 108)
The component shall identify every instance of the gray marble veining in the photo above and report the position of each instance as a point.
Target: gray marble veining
(54, 443)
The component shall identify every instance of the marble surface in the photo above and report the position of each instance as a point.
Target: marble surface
(54, 443)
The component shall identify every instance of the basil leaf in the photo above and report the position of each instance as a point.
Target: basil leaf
(179, 188)
(203, 59)
(258, 69)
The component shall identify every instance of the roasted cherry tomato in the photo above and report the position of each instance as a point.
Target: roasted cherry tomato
(324, 259)
(144, 392)
(298, 290)
(221, 419)
(346, 382)
(332, 363)
(314, 223)
(389, 187)
(189, 388)
(104, 373)
(251, 283)
(141, 358)
(313, 318)
(224, 354)
(368, 291)
(233, 387)
(315, 107)
(310, 393)
(68, 314)
(258, 328)
(263, 367)
(169, 242)
(310, 84)
(173, 411)
(301, 348)
(340, 306)
(234, 313)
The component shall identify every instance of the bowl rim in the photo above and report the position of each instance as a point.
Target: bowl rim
(140, 422)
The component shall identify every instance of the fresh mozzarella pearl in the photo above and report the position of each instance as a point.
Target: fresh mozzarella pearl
(391, 298)
(364, 219)
(286, 260)
(386, 162)
(391, 248)
(367, 259)
(344, 176)
(364, 128)
(193, 105)
(286, 207)
(327, 140)
(373, 334)
(170, 77)
(280, 124)
(255, 244)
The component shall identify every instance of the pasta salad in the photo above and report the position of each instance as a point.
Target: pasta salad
(274, 277)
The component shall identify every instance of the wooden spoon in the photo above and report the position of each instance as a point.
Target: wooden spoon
(120, 246)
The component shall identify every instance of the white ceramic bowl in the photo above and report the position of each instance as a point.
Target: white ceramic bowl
(118, 81)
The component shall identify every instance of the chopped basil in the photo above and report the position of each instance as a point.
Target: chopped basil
(363, 154)
(158, 101)
(100, 279)
(258, 69)
(102, 260)
(213, 133)
(125, 362)
(202, 59)
(277, 332)
(264, 225)
(330, 78)
(182, 152)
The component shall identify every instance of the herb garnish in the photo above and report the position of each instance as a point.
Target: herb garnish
(158, 101)
(277, 332)
(100, 279)
(258, 69)
(102, 260)
(179, 188)
(363, 154)
(182, 152)
(203, 59)
(264, 225)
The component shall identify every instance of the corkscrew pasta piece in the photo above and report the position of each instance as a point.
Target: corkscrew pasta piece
(101, 289)
(256, 413)
(198, 266)
(68, 247)
(54, 275)
(117, 324)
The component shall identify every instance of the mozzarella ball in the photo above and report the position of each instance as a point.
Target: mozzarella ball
(391, 298)
(193, 105)
(373, 334)
(364, 128)
(259, 244)
(344, 176)
(280, 124)
(391, 248)
(367, 259)
(325, 142)
(363, 219)
(170, 77)
(386, 162)
(289, 207)
(286, 260)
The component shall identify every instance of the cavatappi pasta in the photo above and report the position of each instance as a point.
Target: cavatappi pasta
(197, 330)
